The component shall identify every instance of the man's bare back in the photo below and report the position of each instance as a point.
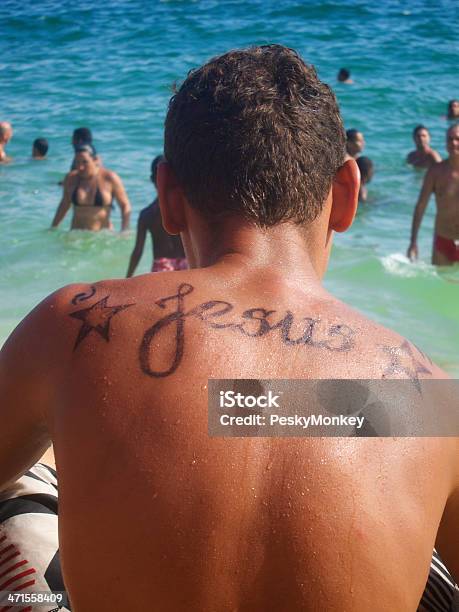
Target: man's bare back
(224, 524)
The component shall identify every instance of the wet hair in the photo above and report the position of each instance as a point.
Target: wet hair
(154, 167)
(343, 74)
(41, 146)
(82, 136)
(255, 133)
(352, 134)
(418, 128)
(86, 148)
(450, 109)
(365, 166)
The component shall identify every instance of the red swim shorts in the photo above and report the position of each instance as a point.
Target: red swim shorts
(447, 247)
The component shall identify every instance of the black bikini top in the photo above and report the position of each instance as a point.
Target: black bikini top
(98, 199)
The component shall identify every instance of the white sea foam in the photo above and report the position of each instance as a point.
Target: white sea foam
(399, 265)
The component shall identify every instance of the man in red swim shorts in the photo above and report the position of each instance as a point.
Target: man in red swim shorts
(443, 180)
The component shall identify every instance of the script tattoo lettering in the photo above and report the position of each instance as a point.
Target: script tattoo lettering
(402, 361)
(175, 317)
(82, 297)
(96, 318)
(253, 323)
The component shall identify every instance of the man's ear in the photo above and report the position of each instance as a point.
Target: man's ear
(345, 195)
(171, 199)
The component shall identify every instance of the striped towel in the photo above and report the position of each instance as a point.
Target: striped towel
(29, 548)
(441, 593)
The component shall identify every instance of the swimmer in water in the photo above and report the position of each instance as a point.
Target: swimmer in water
(423, 156)
(367, 169)
(92, 189)
(344, 76)
(40, 148)
(453, 110)
(355, 143)
(6, 132)
(443, 180)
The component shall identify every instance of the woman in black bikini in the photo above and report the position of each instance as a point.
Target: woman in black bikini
(92, 189)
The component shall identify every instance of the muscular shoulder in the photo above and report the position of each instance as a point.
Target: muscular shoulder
(378, 352)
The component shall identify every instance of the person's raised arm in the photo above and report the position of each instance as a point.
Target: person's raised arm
(421, 205)
(138, 247)
(121, 197)
(65, 202)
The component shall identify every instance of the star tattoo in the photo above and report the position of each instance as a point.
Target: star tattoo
(96, 318)
(403, 361)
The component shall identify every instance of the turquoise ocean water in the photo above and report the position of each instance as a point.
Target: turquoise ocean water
(110, 66)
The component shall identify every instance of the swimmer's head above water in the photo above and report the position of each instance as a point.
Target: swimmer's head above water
(421, 137)
(40, 148)
(453, 109)
(6, 132)
(81, 136)
(86, 160)
(366, 168)
(452, 140)
(344, 76)
(355, 142)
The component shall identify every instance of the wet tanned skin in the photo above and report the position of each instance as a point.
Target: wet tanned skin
(246, 524)
(155, 514)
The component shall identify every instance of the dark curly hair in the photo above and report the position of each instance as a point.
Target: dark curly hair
(256, 133)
